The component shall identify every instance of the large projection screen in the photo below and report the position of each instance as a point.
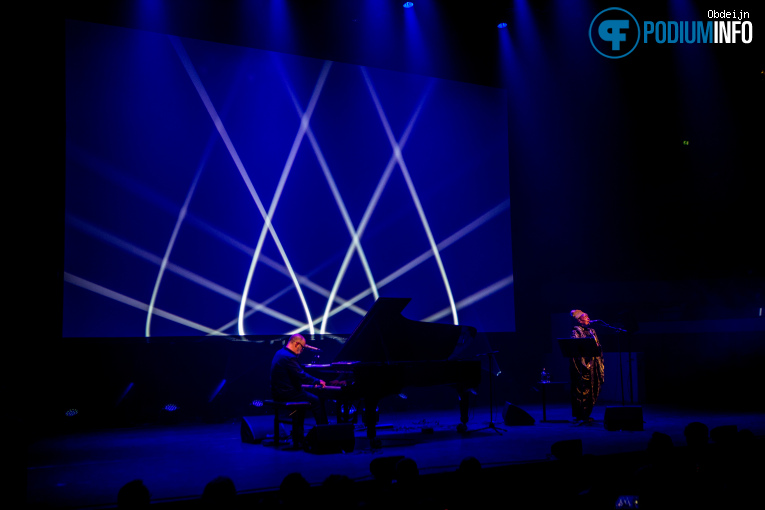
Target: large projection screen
(220, 190)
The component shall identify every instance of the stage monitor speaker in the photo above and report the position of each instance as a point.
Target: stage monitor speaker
(331, 438)
(566, 450)
(514, 415)
(255, 429)
(623, 418)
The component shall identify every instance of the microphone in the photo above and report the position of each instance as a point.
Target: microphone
(311, 347)
(594, 320)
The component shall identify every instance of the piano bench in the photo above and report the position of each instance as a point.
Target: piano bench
(280, 410)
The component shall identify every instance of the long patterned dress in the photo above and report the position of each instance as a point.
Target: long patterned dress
(586, 378)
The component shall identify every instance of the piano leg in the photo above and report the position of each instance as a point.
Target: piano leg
(370, 417)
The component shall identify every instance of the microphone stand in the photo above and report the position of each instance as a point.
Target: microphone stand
(621, 365)
(491, 424)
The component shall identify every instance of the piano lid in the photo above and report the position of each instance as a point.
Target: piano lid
(384, 335)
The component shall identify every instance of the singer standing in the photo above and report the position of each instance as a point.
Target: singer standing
(287, 378)
(586, 373)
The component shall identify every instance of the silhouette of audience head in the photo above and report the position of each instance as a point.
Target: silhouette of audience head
(406, 470)
(294, 491)
(660, 446)
(469, 466)
(383, 469)
(746, 438)
(339, 492)
(219, 493)
(133, 495)
(724, 435)
(696, 434)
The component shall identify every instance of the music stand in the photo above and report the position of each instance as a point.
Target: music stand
(579, 347)
(629, 356)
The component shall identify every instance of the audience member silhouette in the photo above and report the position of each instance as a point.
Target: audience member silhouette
(407, 471)
(133, 495)
(295, 492)
(339, 493)
(219, 493)
(383, 469)
(660, 449)
(468, 489)
(695, 476)
(407, 489)
(469, 466)
(749, 470)
(657, 483)
(696, 435)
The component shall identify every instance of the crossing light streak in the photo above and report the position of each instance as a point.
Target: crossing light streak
(413, 192)
(245, 177)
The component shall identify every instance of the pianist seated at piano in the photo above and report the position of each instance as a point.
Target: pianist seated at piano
(387, 353)
(287, 379)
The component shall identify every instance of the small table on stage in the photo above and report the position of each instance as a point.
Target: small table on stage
(544, 395)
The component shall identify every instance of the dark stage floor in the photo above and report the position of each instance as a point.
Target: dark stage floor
(175, 462)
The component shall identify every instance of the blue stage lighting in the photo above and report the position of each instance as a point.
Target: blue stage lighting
(257, 403)
(502, 25)
(72, 412)
(408, 5)
(170, 407)
(217, 390)
(351, 409)
(198, 298)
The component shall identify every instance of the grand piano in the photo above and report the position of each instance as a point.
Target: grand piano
(388, 352)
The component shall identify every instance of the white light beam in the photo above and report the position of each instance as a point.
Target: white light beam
(191, 71)
(413, 192)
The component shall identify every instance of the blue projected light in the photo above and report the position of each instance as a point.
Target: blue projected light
(220, 190)
(408, 5)
(502, 25)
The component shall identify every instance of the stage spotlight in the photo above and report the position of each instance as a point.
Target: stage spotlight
(408, 5)
(258, 407)
(169, 414)
(71, 412)
(502, 25)
(402, 396)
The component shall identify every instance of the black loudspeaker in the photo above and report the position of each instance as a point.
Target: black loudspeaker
(514, 415)
(331, 438)
(255, 429)
(566, 450)
(623, 418)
